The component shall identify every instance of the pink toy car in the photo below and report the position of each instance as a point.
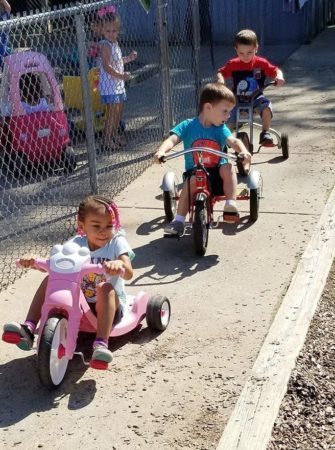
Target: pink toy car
(34, 128)
(65, 312)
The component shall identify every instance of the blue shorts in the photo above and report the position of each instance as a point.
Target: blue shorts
(113, 99)
(260, 104)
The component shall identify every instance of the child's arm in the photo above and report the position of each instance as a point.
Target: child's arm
(280, 80)
(131, 57)
(27, 262)
(7, 6)
(123, 262)
(166, 146)
(238, 146)
(105, 60)
(219, 78)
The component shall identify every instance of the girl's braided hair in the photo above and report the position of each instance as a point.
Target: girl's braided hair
(92, 203)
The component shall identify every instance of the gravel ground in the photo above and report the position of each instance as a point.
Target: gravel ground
(306, 418)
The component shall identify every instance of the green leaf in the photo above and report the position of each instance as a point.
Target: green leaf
(146, 4)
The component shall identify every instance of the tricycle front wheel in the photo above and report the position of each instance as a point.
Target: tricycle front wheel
(51, 360)
(200, 227)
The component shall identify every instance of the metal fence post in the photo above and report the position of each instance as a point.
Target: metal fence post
(196, 49)
(89, 120)
(164, 65)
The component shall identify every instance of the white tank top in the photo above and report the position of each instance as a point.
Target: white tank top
(109, 85)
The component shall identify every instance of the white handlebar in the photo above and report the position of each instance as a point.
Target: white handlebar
(197, 150)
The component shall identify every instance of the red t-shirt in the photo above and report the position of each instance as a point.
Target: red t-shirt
(254, 72)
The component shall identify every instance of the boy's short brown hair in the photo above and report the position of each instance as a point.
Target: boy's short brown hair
(215, 93)
(246, 37)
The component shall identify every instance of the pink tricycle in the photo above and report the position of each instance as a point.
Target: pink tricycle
(65, 312)
(34, 128)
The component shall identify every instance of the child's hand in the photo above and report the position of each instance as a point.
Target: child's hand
(27, 261)
(126, 76)
(132, 56)
(157, 156)
(279, 82)
(246, 155)
(113, 267)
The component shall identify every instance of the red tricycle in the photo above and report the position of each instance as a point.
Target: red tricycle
(201, 209)
(34, 128)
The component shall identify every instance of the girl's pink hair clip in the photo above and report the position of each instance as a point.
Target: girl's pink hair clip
(108, 10)
(114, 212)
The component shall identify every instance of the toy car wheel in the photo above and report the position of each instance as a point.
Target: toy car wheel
(69, 161)
(284, 146)
(254, 204)
(15, 165)
(158, 313)
(51, 360)
(200, 227)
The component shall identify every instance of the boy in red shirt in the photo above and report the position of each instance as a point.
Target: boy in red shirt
(248, 73)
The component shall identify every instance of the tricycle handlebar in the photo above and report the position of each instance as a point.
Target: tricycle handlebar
(165, 158)
(44, 264)
(251, 98)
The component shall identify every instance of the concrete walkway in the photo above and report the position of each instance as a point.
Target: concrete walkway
(177, 390)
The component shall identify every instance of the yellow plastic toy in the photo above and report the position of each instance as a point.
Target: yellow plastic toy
(73, 99)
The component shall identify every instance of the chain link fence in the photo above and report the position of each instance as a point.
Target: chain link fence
(52, 121)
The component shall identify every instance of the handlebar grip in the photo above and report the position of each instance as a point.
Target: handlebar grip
(162, 159)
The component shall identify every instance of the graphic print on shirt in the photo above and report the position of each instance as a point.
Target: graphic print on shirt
(90, 282)
(247, 87)
(208, 159)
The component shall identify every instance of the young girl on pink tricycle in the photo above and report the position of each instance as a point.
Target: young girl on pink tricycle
(85, 292)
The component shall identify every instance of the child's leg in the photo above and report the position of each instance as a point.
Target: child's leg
(106, 306)
(176, 227)
(266, 115)
(113, 114)
(266, 119)
(228, 175)
(34, 313)
(23, 334)
(183, 203)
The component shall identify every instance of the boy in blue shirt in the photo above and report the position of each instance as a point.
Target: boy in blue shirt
(208, 129)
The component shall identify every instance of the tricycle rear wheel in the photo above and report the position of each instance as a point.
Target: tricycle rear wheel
(170, 205)
(254, 204)
(284, 146)
(51, 362)
(158, 312)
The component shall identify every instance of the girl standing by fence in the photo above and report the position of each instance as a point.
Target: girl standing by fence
(112, 75)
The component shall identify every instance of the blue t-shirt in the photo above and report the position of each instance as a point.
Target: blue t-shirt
(116, 247)
(193, 134)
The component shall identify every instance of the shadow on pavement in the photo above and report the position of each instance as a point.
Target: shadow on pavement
(22, 393)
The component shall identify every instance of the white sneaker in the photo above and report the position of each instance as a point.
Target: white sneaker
(175, 227)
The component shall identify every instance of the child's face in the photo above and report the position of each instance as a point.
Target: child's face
(218, 113)
(110, 31)
(246, 52)
(98, 228)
